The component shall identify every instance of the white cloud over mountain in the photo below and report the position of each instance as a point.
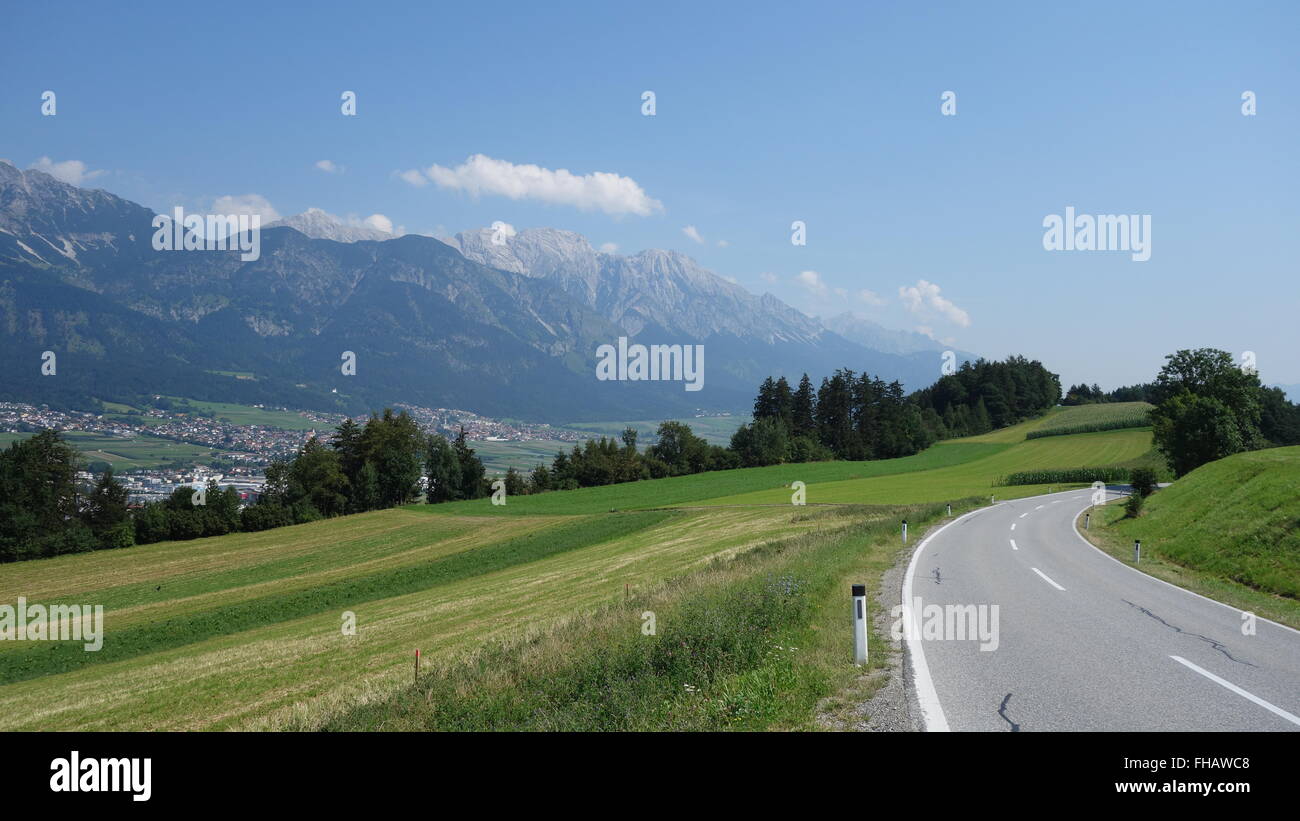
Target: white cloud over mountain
(597, 191)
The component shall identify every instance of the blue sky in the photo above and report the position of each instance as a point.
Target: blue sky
(766, 114)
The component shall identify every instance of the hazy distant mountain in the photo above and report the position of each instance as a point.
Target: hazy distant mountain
(504, 330)
(666, 296)
(877, 337)
(319, 224)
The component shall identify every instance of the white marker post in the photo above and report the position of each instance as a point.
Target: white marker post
(904, 531)
(950, 508)
(860, 625)
(1087, 517)
(993, 500)
(1137, 551)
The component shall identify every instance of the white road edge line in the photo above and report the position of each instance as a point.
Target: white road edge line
(1013, 545)
(1049, 581)
(1074, 526)
(1234, 688)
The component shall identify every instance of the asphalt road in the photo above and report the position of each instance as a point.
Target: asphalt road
(1084, 642)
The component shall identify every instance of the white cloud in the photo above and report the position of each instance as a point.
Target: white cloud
(72, 172)
(870, 297)
(722, 243)
(768, 277)
(245, 204)
(414, 177)
(691, 232)
(924, 298)
(329, 167)
(812, 282)
(609, 248)
(379, 222)
(504, 229)
(600, 190)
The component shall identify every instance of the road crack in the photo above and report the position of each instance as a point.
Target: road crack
(1217, 645)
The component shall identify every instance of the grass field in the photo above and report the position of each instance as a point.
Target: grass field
(243, 631)
(141, 451)
(716, 430)
(249, 415)
(1094, 418)
(1229, 530)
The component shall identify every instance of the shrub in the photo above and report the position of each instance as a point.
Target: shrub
(1143, 481)
(1133, 507)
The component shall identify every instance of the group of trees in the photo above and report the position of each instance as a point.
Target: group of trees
(857, 416)
(44, 511)
(983, 396)
(1207, 408)
(1082, 394)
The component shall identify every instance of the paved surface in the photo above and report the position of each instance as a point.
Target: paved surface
(1084, 641)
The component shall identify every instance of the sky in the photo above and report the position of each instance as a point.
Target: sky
(764, 114)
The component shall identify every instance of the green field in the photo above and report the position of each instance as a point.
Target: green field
(716, 430)
(141, 451)
(249, 415)
(243, 631)
(1093, 418)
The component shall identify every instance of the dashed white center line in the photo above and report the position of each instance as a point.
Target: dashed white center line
(1023, 515)
(1013, 545)
(1040, 507)
(1049, 581)
(1234, 688)
(1013, 525)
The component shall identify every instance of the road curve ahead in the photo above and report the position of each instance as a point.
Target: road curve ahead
(1082, 641)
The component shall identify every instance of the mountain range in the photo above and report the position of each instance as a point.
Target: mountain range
(506, 328)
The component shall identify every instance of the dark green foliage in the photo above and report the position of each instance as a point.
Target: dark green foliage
(1049, 476)
(1133, 507)
(1143, 481)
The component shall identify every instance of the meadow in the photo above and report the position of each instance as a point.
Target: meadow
(141, 451)
(541, 596)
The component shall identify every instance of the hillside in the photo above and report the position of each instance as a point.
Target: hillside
(243, 631)
(1236, 520)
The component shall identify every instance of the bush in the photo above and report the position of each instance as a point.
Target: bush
(1133, 507)
(1143, 481)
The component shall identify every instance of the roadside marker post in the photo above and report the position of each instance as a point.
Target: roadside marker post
(950, 508)
(904, 531)
(860, 625)
(1087, 517)
(1137, 551)
(993, 500)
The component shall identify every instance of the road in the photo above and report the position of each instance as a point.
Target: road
(1084, 642)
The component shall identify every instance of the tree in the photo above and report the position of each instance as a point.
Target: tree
(764, 442)
(443, 469)
(105, 513)
(1192, 430)
(472, 473)
(318, 471)
(680, 448)
(803, 404)
(1206, 408)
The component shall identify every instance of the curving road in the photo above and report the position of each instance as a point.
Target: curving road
(1084, 642)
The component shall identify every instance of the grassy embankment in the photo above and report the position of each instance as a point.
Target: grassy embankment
(1229, 530)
